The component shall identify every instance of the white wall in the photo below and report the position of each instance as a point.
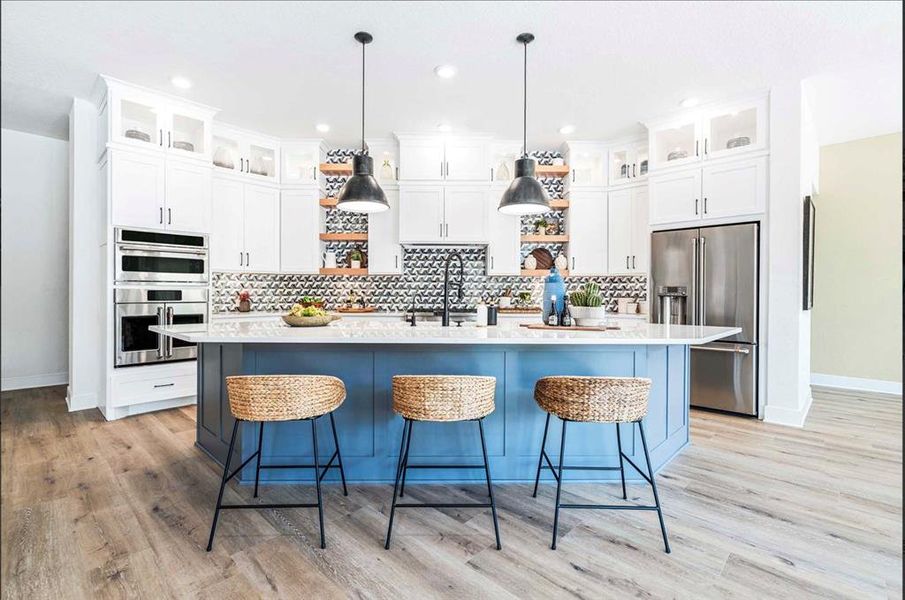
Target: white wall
(34, 187)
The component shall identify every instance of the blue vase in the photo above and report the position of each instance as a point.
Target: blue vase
(553, 286)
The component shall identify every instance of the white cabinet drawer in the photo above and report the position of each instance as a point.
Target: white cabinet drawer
(127, 392)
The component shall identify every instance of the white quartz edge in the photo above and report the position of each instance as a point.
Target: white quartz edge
(271, 331)
(262, 314)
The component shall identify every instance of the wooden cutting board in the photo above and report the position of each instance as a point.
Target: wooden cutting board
(345, 309)
(573, 328)
(528, 310)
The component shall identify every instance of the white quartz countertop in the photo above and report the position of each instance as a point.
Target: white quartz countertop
(383, 331)
(263, 314)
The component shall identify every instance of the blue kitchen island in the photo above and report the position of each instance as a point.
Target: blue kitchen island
(366, 354)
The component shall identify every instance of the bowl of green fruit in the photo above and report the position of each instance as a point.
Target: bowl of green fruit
(308, 316)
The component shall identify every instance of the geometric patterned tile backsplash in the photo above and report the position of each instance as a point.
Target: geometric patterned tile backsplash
(422, 278)
(421, 282)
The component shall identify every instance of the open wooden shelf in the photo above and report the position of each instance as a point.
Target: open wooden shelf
(541, 272)
(344, 237)
(545, 239)
(336, 169)
(344, 272)
(328, 202)
(551, 170)
(562, 204)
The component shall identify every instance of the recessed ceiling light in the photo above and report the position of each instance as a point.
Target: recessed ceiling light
(567, 129)
(689, 102)
(183, 83)
(322, 127)
(445, 71)
(444, 128)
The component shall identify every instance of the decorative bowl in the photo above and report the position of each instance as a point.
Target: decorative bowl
(187, 146)
(737, 142)
(588, 316)
(294, 321)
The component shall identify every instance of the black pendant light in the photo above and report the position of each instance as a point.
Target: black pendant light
(361, 192)
(525, 195)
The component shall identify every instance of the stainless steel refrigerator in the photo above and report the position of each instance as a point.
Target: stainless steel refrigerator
(709, 276)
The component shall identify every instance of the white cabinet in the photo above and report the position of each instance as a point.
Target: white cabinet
(628, 230)
(188, 196)
(734, 189)
(421, 213)
(138, 189)
(464, 214)
(675, 196)
(300, 223)
(300, 160)
(722, 131)
(504, 237)
(245, 232)
(135, 117)
(443, 159)
(716, 191)
(587, 228)
(251, 155)
(628, 162)
(153, 191)
(440, 213)
(588, 162)
(384, 251)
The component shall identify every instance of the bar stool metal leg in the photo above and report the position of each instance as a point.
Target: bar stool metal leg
(258, 465)
(403, 457)
(496, 525)
(653, 485)
(562, 452)
(408, 444)
(339, 456)
(621, 464)
(229, 456)
(317, 482)
(540, 458)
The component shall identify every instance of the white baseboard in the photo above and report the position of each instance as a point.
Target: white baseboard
(857, 383)
(33, 381)
(790, 417)
(80, 401)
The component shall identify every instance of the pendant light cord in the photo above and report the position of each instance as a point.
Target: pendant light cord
(525, 106)
(363, 97)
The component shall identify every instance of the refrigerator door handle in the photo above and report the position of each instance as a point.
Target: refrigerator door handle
(703, 303)
(694, 279)
(719, 349)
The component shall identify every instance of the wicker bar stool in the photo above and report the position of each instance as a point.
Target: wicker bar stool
(273, 398)
(443, 398)
(596, 400)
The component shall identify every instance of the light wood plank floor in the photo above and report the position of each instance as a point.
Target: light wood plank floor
(92, 509)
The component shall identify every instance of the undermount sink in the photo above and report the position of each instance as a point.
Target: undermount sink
(436, 316)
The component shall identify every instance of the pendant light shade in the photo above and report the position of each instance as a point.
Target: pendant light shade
(361, 193)
(525, 195)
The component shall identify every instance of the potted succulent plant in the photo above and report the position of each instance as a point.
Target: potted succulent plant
(540, 226)
(355, 257)
(587, 305)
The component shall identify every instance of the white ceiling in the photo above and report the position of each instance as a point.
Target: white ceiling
(280, 68)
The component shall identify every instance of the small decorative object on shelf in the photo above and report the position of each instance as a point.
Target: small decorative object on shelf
(329, 260)
(386, 171)
(530, 262)
(502, 172)
(543, 257)
(738, 141)
(135, 134)
(357, 258)
(553, 286)
(540, 226)
(558, 161)
(677, 154)
(587, 305)
(524, 299)
(223, 159)
(244, 301)
(187, 146)
(561, 262)
(506, 298)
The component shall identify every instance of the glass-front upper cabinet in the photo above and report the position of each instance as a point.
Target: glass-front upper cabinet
(676, 142)
(503, 155)
(588, 164)
(735, 128)
(137, 122)
(188, 133)
(628, 162)
(301, 159)
(225, 151)
(262, 159)
(241, 152)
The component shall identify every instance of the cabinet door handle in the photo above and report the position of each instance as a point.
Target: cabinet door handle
(491, 173)
(241, 165)
(169, 139)
(633, 261)
(161, 138)
(241, 264)
(441, 229)
(705, 205)
(491, 262)
(695, 206)
(161, 215)
(441, 169)
(397, 173)
(313, 173)
(247, 260)
(396, 261)
(169, 216)
(633, 170)
(163, 385)
(696, 147)
(705, 146)
(573, 262)
(626, 261)
(447, 230)
(573, 175)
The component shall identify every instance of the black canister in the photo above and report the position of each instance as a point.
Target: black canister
(491, 315)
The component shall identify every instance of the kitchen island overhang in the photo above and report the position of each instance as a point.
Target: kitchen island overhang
(366, 355)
